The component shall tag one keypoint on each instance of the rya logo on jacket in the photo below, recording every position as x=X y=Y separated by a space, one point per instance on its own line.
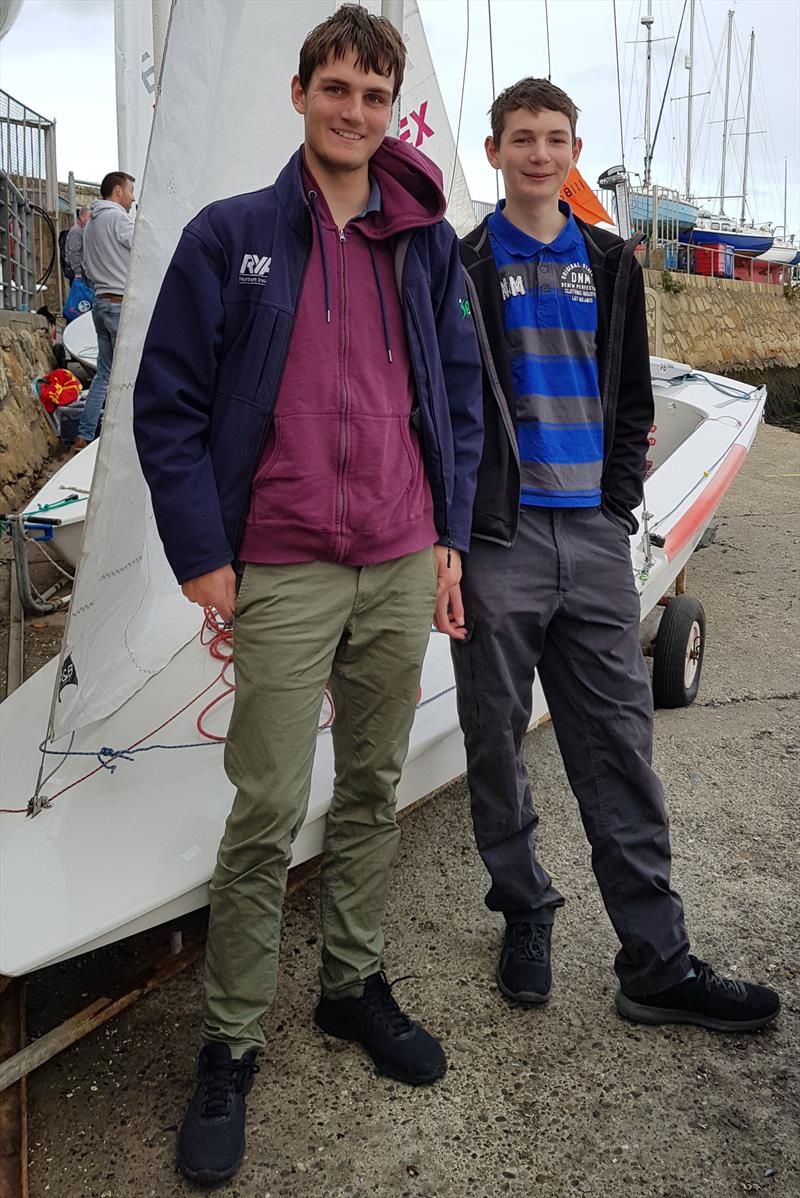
x=254 y=269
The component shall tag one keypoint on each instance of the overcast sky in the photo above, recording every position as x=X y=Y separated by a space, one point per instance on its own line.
x=59 y=59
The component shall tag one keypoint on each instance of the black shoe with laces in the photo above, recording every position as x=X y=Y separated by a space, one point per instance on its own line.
x=523 y=972
x=211 y=1139
x=707 y=1000
x=399 y=1047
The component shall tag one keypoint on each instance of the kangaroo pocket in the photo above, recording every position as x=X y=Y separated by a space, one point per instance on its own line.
x=295 y=483
x=385 y=484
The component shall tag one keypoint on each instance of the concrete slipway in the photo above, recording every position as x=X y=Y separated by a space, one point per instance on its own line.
x=566 y=1100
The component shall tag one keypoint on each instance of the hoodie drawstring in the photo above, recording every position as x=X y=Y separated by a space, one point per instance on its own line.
x=381 y=300
x=312 y=199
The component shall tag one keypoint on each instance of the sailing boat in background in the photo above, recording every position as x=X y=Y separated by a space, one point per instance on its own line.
x=719 y=229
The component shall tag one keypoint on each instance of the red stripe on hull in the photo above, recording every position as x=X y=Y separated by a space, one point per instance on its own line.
x=702 y=509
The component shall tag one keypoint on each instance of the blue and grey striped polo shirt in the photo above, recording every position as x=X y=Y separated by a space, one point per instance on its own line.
x=551 y=325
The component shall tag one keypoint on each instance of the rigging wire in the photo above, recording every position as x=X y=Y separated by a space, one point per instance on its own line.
x=494 y=92
x=547 y=32
x=460 y=110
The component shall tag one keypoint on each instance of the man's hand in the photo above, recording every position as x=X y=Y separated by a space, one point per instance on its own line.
x=216 y=589
x=449 y=614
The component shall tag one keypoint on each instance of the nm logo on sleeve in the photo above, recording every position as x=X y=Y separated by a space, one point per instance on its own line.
x=254 y=269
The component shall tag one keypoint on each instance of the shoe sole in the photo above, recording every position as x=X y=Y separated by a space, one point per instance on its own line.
x=526 y=998
x=207 y=1178
x=656 y=1015
x=381 y=1065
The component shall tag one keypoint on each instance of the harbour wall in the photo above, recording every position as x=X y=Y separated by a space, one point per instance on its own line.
x=746 y=331
x=722 y=325
x=26 y=439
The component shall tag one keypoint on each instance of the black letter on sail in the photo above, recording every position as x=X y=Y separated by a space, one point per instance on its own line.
x=69 y=675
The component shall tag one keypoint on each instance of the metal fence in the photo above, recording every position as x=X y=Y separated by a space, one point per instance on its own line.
x=28 y=181
x=17 y=255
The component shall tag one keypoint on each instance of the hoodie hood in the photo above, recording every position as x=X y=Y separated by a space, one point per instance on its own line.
x=411 y=190
x=98 y=206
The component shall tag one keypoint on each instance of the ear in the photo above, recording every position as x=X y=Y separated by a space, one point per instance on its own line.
x=298 y=96
x=491 y=152
x=577 y=146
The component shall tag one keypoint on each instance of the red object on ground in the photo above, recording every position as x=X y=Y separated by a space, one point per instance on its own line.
x=57 y=389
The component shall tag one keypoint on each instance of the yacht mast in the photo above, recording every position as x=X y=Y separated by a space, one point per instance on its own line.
x=648 y=153
x=725 y=119
x=690 y=64
x=785 y=186
x=747 y=126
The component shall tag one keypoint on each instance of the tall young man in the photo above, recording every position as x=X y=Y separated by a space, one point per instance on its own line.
x=308 y=415
x=107 y=242
x=547 y=586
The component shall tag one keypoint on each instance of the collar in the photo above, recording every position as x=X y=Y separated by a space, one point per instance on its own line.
x=373 y=203
x=514 y=241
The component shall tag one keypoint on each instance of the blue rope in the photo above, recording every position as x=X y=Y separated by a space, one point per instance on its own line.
x=106 y=756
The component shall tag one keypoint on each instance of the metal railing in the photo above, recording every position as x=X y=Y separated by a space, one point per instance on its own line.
x=17 y=256
x=28 y=181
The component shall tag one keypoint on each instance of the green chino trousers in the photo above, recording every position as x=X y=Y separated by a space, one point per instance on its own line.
x=298 y=626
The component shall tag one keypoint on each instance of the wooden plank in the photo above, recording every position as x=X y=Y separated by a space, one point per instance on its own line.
x=14 y=1100
x=23 y=1062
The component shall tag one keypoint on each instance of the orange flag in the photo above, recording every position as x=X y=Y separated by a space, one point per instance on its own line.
x=584 y=203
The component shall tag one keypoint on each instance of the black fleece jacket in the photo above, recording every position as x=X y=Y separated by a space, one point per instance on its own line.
x=623 y=366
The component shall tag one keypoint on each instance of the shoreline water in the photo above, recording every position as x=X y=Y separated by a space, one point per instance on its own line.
x=783 y=393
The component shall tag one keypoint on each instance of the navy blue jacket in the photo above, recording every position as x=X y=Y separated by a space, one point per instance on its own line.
x=214 y=355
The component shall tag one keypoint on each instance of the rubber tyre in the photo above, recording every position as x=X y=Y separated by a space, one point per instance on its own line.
x=682 y=627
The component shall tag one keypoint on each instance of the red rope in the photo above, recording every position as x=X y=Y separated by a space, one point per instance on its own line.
x=218 y=638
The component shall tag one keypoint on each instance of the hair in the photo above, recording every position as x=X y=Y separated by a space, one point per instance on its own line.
x=83 y=209
x=537 y=95
x=377 y=44
x=114 y=179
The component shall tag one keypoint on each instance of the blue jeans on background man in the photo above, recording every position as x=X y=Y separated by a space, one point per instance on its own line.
x=105 y=314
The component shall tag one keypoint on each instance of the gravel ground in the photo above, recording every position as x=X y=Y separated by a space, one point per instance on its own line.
x=564 y=1100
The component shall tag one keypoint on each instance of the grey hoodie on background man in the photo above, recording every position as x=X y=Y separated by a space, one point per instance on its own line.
x=107 y=247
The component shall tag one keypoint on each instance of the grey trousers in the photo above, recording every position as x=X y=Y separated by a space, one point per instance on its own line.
x=562 y=601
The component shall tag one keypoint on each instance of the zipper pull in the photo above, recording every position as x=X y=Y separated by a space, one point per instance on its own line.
x=342 y=237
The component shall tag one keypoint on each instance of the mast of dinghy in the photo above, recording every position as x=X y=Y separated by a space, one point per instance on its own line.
x=393 y=11
x=725 y=118
x=747 y=126
x=160 y=10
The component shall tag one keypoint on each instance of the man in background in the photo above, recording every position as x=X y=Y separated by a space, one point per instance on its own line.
x=73 y=246
x=107 y=241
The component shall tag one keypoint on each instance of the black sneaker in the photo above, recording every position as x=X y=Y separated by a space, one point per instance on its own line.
x=523 y=972
x=211 y=1139
x=399 y=1047
x=707 y=1000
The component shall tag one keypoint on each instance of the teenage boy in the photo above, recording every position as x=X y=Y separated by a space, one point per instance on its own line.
x=309 y=406
x=547 y=586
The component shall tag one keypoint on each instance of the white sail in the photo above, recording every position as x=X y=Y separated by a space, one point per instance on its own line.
x=424 y=122
x=136 y=83
x=224 y=124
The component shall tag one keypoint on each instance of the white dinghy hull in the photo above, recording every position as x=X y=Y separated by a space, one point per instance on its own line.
x=124 y=851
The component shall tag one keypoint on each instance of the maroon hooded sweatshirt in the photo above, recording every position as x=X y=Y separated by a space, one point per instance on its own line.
x=341 y=477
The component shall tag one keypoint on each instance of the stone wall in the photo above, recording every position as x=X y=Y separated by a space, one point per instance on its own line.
x=26 y=439
x=722 y=325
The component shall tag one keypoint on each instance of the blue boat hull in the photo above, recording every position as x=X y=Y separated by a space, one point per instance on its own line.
x=740 y=243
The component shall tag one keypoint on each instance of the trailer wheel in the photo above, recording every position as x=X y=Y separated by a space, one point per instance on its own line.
x=678 y=653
